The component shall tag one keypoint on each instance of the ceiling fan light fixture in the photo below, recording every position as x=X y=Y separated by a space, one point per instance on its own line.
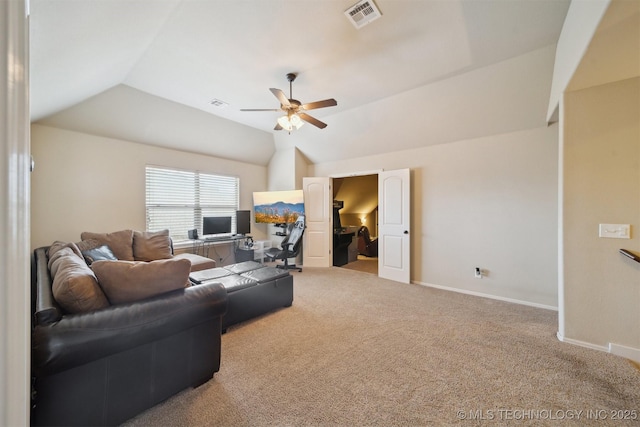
x=296 y=121
x=290 y=122
x=285 y=123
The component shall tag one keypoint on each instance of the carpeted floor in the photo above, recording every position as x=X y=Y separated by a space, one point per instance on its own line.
x=363 y=264
x=357 y=350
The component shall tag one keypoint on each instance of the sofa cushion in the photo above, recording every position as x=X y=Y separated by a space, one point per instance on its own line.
x=127 y=281
x=198 y=262
x=97 y=254
x=74 y=287
x=151 y=245
x=58 y=245
x=120 y=242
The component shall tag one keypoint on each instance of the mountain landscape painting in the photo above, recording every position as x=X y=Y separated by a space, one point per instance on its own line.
x=278 y=207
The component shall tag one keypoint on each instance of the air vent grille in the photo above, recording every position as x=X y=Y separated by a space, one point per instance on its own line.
x=218 y=103
x=362 y=13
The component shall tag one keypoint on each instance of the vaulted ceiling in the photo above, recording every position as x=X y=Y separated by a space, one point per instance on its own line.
x=147 y=71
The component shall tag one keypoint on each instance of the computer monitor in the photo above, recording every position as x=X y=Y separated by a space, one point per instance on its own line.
x=243 y=222
x=212 y=225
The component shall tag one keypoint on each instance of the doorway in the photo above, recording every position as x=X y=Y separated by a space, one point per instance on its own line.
x=358 y=198
x=394 y=217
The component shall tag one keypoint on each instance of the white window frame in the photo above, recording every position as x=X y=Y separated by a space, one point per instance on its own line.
x=178 y=199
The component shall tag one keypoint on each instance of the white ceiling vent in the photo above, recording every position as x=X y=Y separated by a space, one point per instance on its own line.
x=218 y=103
x=362 y=13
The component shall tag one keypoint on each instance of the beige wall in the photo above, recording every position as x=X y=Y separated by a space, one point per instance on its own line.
x=287 y=167
x=350 y=219
x=88 y=183
x=601 y=185
x=355 y=220
x=488 y=202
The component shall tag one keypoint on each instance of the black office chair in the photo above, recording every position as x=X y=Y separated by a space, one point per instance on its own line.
x=289 y=247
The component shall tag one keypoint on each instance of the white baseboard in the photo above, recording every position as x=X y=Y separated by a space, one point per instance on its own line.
x=626 y=352
x=483 y=295
x=617 y=349
x=581 y=343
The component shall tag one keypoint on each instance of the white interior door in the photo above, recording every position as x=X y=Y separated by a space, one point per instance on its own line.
x=317 y=240
x=394 y=237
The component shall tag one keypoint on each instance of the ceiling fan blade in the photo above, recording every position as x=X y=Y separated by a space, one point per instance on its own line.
x=307 y=118
x=281 y=97
x=259 y=109
x=278 y=127
x=320 y=104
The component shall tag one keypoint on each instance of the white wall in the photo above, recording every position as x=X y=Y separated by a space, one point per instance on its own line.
x=601 y=150
x=504 y=97
x=488 y=202
x=15 y=325
x=582 y=19
x=88 y=183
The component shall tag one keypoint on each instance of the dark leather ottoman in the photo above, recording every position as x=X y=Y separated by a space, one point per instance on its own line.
x=252 y=289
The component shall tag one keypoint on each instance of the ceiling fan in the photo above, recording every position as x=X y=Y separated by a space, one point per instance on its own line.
x=294 y=109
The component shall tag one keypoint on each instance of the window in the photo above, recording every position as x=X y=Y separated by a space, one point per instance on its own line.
x=178 y=199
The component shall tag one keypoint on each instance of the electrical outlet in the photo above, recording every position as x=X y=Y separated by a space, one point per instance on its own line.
x=478 y=273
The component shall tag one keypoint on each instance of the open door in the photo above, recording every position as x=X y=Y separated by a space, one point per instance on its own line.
x=394 y=239
x=318 y=208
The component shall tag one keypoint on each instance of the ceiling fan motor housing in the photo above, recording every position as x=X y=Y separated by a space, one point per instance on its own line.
x=294 y=104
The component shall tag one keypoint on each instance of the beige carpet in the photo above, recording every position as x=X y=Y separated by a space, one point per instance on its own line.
x=363 y=264
x=357 y=350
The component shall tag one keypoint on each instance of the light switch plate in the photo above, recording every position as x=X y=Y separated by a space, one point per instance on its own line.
x=615 y=231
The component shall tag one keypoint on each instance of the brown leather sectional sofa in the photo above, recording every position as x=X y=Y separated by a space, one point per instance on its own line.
x=112 y=340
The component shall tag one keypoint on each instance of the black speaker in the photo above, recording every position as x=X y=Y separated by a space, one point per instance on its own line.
x=193 y=234
x=243 y=222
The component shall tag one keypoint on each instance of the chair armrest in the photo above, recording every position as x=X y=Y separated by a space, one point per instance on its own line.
x=81 y=338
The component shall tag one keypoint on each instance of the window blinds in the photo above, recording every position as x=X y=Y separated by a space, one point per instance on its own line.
x=178 y=199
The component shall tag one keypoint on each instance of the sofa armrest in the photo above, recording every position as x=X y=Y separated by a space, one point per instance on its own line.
x=46 y=310
x=80 y=338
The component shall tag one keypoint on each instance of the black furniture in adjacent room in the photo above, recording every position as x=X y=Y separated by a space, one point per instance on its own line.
x=366 y=246
x=341 y=242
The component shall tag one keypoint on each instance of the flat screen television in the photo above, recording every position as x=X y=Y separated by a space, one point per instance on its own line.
x=212 y=225
x=278 y=207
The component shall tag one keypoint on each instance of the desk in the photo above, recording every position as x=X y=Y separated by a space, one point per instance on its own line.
x=201 y=246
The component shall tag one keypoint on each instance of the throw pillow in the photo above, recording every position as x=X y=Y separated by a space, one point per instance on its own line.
x=97 y=254
x=74 y=287
x=128 y=281
x=120 y=242
x=52 y=252
x=151 y=246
